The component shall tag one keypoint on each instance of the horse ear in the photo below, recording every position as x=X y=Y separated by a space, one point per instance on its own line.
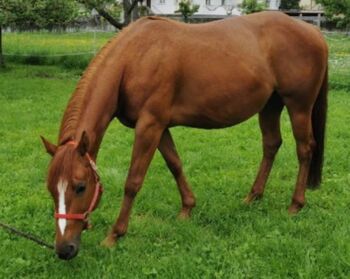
x=83 y=144
x=50 y=147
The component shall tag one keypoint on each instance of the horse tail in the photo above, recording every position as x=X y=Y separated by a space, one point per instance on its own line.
x=319 y=114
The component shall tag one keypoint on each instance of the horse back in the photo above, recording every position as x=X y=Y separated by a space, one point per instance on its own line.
x=216 y=74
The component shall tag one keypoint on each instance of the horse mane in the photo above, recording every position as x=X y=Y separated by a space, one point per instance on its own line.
x=80 y=97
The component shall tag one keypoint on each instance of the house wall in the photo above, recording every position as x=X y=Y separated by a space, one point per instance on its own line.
x=206 y=7
x=310 y=5
x=304 y=4
x=214 y=7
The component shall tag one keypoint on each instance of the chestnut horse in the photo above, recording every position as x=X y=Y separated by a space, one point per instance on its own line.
x=158 y=73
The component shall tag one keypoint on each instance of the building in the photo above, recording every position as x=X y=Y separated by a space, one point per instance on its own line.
x=310 y=5
x=216 y=8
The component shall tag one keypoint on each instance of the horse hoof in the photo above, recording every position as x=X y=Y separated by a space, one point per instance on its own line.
x=294 y=209
x=184 y=214
x=252 y=197
x=109 y=241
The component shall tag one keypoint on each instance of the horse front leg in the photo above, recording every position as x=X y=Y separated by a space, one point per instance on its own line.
x=168 y=150
x=148 y=132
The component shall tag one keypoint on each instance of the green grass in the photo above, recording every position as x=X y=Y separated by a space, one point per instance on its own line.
x=339 y=55
x=223 y=239
x=69 y=50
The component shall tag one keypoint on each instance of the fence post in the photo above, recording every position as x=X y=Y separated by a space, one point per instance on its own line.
x=95 y=41
x=319 y=20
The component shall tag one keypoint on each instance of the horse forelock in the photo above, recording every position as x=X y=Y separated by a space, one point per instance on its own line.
x=61 y=167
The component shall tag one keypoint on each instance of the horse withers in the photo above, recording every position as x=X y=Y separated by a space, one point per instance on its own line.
x=158 y=73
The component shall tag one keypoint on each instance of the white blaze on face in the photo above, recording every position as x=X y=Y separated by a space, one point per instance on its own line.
x=62 y=187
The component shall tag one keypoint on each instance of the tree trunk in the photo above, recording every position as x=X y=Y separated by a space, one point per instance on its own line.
x=133 y=10
x=2 y=60
x=135 y=13
x=130 y=14
x=127 y=14
x=110 y=19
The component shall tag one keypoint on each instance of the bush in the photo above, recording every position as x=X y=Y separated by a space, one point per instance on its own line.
x=289 y=5
x=186 y=8
x=252 y=6
x=337 y=12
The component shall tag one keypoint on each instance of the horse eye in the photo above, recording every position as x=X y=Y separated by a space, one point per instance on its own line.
x=80 y=188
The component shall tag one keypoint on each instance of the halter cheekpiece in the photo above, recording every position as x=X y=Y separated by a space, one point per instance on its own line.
x=96 y=197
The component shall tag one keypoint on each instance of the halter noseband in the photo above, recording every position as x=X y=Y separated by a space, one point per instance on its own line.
x=96 y=197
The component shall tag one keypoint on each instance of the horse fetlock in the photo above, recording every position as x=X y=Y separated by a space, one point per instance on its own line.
x=109 y=241
x=189 y=202
x=253 y=196
x=296 y=206
x=185 y=213
x=120 y=229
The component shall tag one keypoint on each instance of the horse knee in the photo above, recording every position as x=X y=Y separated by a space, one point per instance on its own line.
x=271 y=148
x=305 y=150
x=132 y=187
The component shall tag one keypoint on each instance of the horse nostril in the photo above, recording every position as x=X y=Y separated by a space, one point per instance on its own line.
x=68 y=251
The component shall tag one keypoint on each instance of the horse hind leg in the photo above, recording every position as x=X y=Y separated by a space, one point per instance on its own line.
x=269 y=120
x=302 y=129
x=168 y=150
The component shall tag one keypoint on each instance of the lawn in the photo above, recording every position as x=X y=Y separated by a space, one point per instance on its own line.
x=223 y=239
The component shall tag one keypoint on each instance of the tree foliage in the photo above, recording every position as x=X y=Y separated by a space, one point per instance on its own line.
x=252 y=6
x=290 y=5
x=37 y=14
x=50 y=14
x=337 y=11
x=187 y=9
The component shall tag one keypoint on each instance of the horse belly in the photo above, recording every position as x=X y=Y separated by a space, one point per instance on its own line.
x=212 y=110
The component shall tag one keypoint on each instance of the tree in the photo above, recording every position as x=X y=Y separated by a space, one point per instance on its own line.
x=108 y=8
x=187 y=9
x=4 y=20
x=337 y=12
x=50 y=14
x=252 y=6
x=289 y=5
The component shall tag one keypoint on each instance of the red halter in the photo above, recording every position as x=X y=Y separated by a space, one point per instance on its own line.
x=97 y=195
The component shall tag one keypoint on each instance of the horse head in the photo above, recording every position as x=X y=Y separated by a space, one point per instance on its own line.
x=75 y=188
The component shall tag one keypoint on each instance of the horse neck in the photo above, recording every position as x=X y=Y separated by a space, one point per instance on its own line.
x=94 y=102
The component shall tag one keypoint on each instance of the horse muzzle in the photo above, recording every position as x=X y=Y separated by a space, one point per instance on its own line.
x=67 y=250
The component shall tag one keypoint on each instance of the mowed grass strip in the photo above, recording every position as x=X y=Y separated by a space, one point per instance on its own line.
x=224 y=238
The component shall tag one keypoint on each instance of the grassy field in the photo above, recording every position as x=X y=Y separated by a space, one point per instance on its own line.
x=223 y=239
x=69 y=50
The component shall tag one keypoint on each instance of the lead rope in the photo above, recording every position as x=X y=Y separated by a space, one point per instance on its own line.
x=29 y=236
